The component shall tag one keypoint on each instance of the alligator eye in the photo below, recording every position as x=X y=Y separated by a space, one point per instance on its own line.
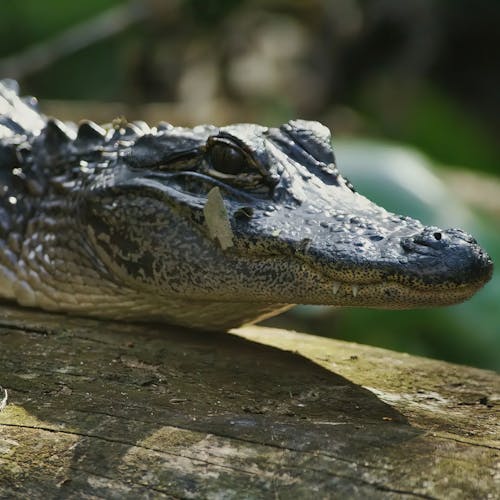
x=228 y=159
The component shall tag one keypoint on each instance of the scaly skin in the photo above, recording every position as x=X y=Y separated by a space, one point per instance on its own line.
x=206 y=227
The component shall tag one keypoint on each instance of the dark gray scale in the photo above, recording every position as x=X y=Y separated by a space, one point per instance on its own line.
x=90 y=140
x=55 y=137
x=89 y=133
x=8 y=161
x=5 y=222
x=310 y=142
x=313 y=137
x=13 y=189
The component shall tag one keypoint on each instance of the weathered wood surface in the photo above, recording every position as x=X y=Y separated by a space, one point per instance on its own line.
x=109 y=410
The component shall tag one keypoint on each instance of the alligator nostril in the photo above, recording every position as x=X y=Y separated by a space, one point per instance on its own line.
x=422 y=242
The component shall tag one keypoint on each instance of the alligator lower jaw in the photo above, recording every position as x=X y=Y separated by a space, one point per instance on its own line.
x=394 y=295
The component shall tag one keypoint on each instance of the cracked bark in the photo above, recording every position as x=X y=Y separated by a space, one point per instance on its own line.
x=110 y=410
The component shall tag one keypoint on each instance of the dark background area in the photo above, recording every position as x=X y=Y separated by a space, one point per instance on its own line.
x=424 y=74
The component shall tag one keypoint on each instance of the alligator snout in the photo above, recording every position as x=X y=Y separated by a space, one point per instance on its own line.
x=449 y=255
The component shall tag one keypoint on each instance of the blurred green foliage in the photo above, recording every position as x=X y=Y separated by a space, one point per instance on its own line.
x=30 y=21
x=440 y=126
x=422 y=73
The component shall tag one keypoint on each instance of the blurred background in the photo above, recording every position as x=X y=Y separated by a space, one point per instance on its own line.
x=411 y=91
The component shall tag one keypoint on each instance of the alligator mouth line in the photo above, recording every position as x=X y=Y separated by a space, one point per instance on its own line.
x=339 y=288
x=391 y=294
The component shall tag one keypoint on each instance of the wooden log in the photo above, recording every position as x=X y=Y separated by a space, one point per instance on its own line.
x=110 y=410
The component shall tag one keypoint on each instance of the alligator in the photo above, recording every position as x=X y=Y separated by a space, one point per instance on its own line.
x=206 y=227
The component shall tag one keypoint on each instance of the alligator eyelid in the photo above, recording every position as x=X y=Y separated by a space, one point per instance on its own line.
x=234 y=142
x=243 y=176
x=225 y=138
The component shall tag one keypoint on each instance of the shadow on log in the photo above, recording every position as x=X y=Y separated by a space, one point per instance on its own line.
x=103 y=409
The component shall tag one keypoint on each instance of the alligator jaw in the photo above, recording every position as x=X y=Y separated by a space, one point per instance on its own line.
x=311 y=284
x=392 y=295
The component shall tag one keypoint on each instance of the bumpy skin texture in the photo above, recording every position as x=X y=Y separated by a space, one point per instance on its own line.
x=209 y=227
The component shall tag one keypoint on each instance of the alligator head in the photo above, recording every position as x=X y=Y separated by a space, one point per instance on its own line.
x=213 y=227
